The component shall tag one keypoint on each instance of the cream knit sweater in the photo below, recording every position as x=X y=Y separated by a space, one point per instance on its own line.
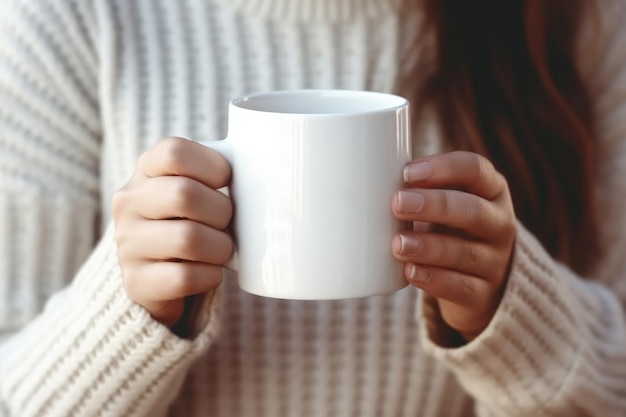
x=87 y=85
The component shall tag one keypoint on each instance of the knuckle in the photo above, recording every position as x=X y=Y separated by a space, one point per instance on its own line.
x=509 y=226
x=173 y=153
x=226 y=249
x=120 y=239
x=502 y=182
x=221 y=166
x=478 y=212
x=462 y=283
x=466 y=285
x=482 y=209
x=473 y=255
x=143 y=159
x=481 y=166
x=124 y=236
x=120 y=202
x=226 y=212
x=184 y=193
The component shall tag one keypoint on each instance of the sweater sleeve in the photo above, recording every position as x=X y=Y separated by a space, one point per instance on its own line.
x=557 y=343
x=91 y=350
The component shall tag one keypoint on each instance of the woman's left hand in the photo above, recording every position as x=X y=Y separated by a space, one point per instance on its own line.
x=460 y=249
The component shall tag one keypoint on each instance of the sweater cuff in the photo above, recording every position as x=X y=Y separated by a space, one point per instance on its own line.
x=525 y=354
x=93 y=350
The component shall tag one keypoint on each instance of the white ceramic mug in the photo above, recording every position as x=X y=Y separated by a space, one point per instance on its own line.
x=314 y=172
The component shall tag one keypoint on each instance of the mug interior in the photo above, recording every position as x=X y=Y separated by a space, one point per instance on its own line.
x=320 y=102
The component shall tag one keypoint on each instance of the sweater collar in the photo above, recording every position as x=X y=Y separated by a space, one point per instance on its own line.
x=334 y=11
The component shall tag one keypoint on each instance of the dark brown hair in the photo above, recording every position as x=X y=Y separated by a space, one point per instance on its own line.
x=503 y=82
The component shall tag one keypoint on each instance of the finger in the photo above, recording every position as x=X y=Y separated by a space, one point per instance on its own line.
x=451 y=208
x=182 y=157
x=162 y=281
x=163 y=198
x=174 y=239
x=456 y=287
x=450 y=252
x=458 y=170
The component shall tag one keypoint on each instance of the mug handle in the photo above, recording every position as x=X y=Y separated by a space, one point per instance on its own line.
x=224 y=148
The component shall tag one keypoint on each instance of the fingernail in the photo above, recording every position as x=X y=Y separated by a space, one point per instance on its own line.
x=418 y=171
x=420 y=276
x=410 y=245
x=409 y=201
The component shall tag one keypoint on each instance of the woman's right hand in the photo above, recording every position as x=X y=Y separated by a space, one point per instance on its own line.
x=169 y=222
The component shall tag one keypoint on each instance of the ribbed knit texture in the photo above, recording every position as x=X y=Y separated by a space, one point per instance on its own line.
x=85 y=87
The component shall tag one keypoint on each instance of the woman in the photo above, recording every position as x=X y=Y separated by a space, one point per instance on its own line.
x=519 y=251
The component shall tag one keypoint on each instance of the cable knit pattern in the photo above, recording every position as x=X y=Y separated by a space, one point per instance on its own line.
x=86 y=86
x=336 y=11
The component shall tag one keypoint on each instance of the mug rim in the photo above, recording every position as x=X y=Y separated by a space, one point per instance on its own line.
x=396 y=102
